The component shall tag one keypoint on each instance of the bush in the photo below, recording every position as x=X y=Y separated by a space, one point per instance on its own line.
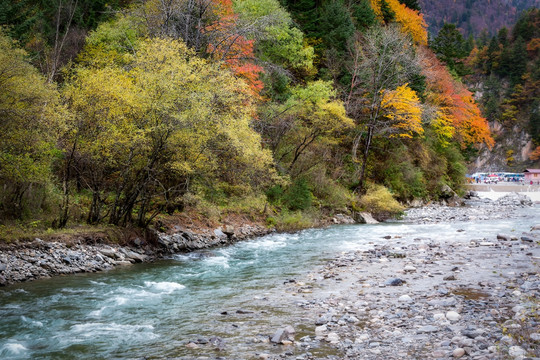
x=298 y=196
x=293 y=221
x=380 y=202
x=329 y=193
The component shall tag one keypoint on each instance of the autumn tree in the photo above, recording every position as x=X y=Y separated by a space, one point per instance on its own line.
x=411 y=21
x=312 y=117
x=383 y=60
x=149 y=129
x=458 y=115
x=30 y=122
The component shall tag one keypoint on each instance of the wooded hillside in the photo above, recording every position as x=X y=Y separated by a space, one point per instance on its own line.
x=473 y=17
x=120 y=113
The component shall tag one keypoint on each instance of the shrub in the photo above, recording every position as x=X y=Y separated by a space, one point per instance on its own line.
x=380 y=202
x=298 y=196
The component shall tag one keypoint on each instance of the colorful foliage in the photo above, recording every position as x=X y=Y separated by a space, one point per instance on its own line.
x=234 y=48
x=455 y=104
x=402 y=108
x=411 y=21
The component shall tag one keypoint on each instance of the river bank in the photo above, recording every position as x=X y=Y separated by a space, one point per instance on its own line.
x=475 y=297
x=31 y=260
x=422 y=287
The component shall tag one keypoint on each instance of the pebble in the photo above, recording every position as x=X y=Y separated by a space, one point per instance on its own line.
x=409 y=268
x=516 y=352
x=458 y=352
x=453 y=316
x=405 y=299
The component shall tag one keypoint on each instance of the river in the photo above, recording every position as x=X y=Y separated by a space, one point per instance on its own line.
x=234 y=293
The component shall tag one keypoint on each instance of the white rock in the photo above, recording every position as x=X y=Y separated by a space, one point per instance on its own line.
x=458 y=352
x=516 y=352
x=453 y=316
x=405 y=299
x=409 y=268
x=439 y=317
x=361 y=338
x=485 y=243
x=320 y=330
x=332 y=338
x=535 y=336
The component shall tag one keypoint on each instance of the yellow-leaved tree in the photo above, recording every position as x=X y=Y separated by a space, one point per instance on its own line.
x=148 y=128
x=30 y=121
x=402 y=109
x=312 y=118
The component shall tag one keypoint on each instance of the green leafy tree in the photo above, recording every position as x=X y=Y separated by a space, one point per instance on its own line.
x=411 y=4
x=335 y=25
x=279 y=42
x=30 y=122
x=311 y=118
x=388 y=14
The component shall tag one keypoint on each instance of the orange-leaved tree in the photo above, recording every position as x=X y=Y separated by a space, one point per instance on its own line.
x=232 y=47
x=456 y=106
x=412 y=22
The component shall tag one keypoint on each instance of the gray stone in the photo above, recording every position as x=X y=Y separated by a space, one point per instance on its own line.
x=503 y=237
x=228 y=230
x=284 y=334
x=109 y=252
x=133 y=255
x=427 y=329
x=219 y=233
x=3 y=267
x=527 y=239
x=394 y=282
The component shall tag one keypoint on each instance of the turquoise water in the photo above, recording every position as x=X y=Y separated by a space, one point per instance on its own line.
x=152 y=310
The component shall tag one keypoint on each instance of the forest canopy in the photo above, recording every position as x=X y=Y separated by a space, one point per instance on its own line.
x=117 y=113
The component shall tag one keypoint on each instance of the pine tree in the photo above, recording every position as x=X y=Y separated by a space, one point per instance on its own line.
x=411 y=4
x=387 y=13
x=363 y=15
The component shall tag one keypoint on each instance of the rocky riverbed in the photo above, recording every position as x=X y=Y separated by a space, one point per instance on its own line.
x=403 y=297
x=37 y=259
x=429 y=299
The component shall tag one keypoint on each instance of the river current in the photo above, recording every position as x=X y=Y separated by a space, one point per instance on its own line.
x=235 y=293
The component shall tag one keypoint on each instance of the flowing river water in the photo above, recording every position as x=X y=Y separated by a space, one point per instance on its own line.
x=234 y=293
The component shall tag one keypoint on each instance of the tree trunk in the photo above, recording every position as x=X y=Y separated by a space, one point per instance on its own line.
x=361 y=178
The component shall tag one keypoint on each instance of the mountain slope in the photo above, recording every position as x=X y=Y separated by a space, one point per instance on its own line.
x=474 y=16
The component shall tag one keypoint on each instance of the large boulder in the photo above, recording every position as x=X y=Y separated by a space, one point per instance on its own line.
x=364 y=218
x=343 y=219
x=450 y=197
